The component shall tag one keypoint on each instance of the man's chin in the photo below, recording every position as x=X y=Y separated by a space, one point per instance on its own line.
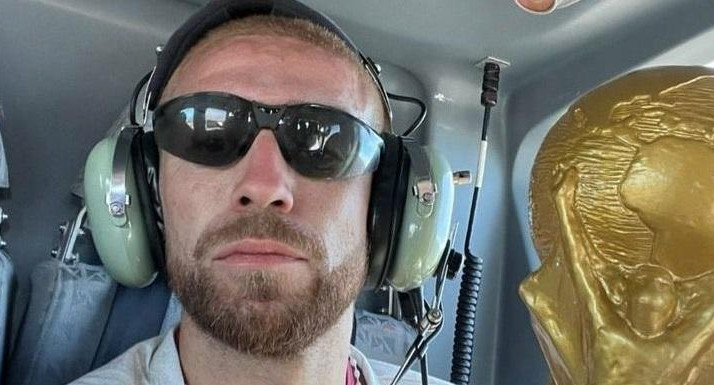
x=262 y=321
x=263 y=286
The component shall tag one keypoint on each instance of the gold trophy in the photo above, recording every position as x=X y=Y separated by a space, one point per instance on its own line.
x=622 y=216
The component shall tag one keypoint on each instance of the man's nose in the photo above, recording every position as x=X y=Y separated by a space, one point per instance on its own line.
x=264 y=180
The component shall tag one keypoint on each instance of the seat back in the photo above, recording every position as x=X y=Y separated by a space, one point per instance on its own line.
x=136 y=315
x=7 y=283
x=7 y=269
x=63 y=324
x=78 y=318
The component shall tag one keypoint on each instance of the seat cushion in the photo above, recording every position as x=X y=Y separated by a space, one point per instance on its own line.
x=63 y=325
x=7 y=276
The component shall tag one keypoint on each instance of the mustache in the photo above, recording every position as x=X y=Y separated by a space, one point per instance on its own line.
x=260 y=225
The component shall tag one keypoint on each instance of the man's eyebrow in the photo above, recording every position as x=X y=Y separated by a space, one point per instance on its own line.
x=298 y=101
x=294 y=102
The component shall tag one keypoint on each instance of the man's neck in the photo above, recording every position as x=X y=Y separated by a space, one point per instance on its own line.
x=204 y=360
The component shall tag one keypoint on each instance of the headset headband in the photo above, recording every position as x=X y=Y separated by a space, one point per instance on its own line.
x=218 y=12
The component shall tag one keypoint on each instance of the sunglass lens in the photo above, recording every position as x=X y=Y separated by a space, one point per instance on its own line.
x=322 y=143
x=212 y=130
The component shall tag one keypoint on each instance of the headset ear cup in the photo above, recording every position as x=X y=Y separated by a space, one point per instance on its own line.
x=121 y=240
x=145 y=162
x=386 y=205
x=425 y=227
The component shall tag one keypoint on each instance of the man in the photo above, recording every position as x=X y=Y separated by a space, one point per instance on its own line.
x=266 y=253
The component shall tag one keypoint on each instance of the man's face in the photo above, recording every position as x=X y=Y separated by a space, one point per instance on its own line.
x=262 y=258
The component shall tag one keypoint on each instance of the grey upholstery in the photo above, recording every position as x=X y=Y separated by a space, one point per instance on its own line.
x=63 y=324
x=7 y=270
x=7 y=275
x=381 y=337
x=4 y=177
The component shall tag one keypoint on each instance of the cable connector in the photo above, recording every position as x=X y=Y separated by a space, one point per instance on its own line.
x=454 y=264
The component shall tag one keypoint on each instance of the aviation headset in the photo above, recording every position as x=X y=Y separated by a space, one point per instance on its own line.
x=410 y=204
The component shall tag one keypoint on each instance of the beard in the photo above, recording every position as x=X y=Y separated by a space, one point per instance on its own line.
x=263 y=312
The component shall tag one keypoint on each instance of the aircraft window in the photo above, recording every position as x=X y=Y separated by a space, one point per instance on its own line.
x=187 y=114
x=215 y=119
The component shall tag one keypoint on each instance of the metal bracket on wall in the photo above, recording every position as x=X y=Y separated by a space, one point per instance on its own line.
x=492 y=59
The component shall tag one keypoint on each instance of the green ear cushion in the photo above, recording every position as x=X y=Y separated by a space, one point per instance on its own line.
x=423 y=235
x=121 y=242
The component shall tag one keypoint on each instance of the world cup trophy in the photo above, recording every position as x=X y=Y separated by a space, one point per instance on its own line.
x=622 y=217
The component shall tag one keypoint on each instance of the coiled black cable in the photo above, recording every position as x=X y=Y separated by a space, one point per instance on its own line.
x=465 y=328
x=466 y=321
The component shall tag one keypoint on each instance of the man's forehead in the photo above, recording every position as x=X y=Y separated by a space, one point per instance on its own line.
x=271 y=70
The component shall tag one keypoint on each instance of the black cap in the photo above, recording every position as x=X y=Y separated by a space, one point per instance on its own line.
x=217 y=12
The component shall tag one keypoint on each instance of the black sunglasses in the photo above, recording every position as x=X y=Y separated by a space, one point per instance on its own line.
x=217 y=129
